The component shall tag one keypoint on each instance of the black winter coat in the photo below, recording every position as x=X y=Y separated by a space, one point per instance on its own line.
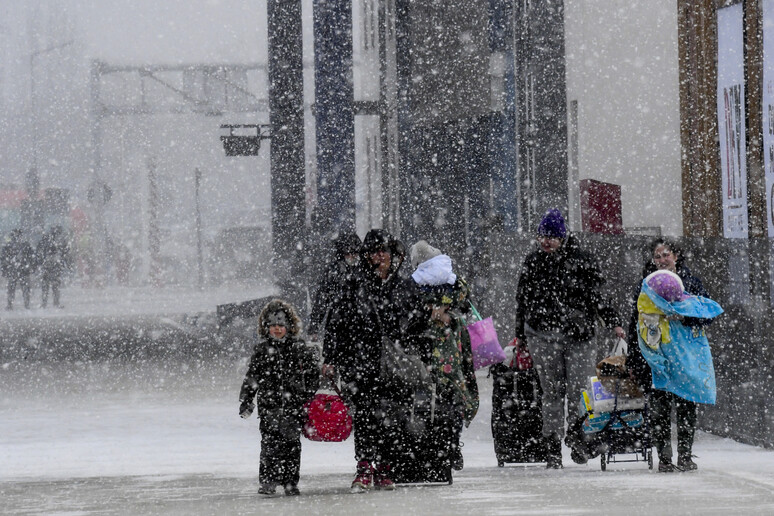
x=18 y=259
x=561 y=292
x=282 y=375
x=635 y=362
x=335 y=277
x=53 y=255
x=367 y=309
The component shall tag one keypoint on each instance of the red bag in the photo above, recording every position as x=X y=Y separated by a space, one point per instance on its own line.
x=328 y=419
x=523 y=359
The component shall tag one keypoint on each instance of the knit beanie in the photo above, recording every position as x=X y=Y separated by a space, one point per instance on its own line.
x=552 y=225
x=377 y=240
x=421 y=252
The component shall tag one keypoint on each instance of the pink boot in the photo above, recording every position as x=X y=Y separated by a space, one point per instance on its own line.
x=382 y=477
x=364 y=477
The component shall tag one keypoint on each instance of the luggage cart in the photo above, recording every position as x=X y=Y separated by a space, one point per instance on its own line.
x=627 y=432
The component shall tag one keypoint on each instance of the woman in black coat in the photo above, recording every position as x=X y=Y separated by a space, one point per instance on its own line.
x=340 y=270
x=666 y=255
x=376 y=302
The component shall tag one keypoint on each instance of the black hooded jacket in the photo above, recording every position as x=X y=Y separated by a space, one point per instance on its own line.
x=562 y=292
x=283 y=374
x=17 y=258
x=337 y=273
x=367 y=309
x=53 y=253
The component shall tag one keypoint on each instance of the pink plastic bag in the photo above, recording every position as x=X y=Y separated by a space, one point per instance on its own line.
x=484 y=343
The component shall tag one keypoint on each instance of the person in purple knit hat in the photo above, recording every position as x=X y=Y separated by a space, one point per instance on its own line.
x=559 y=298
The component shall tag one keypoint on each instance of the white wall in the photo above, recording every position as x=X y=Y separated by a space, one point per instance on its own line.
x=622 y=68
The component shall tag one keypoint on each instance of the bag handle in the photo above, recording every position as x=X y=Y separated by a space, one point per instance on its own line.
x=476 y=315
x=334 y=385
x=620 y=348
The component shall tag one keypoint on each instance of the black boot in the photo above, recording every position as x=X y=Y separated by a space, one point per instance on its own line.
x=455 y=457
x=665 y=465
x=685 y=462
x=267 y=488
x=553 y=452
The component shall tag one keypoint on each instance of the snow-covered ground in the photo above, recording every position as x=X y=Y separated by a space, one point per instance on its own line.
x=118 y=301
x=162 y=436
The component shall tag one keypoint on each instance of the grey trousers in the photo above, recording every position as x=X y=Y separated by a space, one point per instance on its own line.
x=564 y=367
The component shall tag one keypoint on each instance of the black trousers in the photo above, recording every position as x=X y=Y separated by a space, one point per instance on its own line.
x=374 y=423
x=660 y=405
x=24 y=283
x=53 y=282
x=280 y=449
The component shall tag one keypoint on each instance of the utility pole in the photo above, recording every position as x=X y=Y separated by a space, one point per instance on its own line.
x=33 y=95
x=199 y=256
x=154 y=240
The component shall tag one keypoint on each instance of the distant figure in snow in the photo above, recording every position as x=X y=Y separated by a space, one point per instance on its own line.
x=17 y=263
x=53 y=255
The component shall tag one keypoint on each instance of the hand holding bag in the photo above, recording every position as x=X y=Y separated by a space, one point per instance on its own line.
x=524 y=359
x=484 y=342
x=614 y=375
x=517 y=356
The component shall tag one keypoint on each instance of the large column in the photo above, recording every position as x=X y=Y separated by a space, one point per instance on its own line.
x=444 y=104
x=502 y=144
x=286 y=116
x=406 y=176
x=542 y=102
x=334 y=116
x=697 y=41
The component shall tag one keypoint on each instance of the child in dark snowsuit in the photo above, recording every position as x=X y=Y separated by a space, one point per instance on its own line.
x=284 y=374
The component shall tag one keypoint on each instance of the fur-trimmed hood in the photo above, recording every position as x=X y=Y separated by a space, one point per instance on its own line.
x=294 y=322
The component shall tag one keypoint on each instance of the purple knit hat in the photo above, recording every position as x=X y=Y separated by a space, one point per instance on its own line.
x=552 y=225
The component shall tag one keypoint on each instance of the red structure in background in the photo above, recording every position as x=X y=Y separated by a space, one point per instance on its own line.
x=601 y=207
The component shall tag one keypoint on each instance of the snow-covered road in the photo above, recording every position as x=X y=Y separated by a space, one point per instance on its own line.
x=156 y=437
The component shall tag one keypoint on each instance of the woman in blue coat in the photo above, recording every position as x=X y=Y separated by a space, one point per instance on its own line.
x=666 y=255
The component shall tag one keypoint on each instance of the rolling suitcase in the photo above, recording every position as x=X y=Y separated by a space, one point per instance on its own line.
x=517 y=420
x=421 y=453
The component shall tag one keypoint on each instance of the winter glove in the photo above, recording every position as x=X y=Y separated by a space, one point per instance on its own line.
x=246 y=409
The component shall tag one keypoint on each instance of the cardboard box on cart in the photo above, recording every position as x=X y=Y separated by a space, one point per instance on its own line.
x=602 y=400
